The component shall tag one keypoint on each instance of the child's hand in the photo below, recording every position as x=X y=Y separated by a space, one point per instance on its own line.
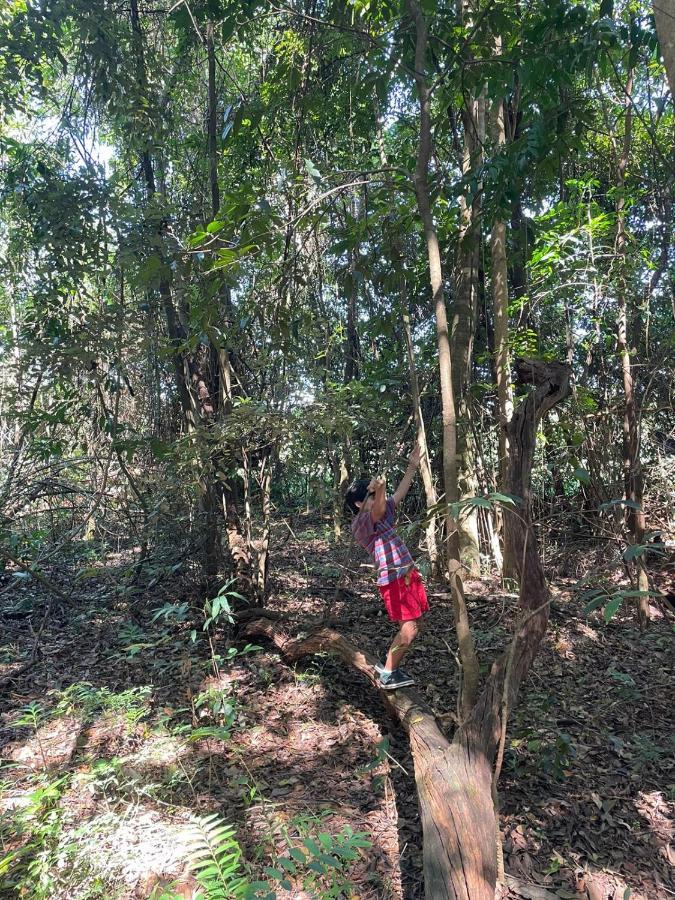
x=415 y=456
x=376 y=484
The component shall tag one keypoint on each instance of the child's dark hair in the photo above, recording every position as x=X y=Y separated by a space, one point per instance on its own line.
x=357 y=493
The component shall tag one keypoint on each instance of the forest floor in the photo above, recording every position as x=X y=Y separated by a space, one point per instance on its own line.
x=120 y=732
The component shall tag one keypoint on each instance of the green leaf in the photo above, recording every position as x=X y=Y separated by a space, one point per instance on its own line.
x=483 y=502
x=582 y=475
x=360 y=840
x=312 y=846
x=149 y=270
x=6 y=862
x=312 y=171
x=596 y=603
x=635 y=550
x=496 y=497
x=612 y=607
x=277 y=874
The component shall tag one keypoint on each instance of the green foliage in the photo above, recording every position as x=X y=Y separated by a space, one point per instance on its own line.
x=535 y=751
x=85 y=700
x=610 y=599
x=380 y=756
x=219 y=608
x=177 y=612
x=31 y=868
x=32 y=715
x=317 y=863
x=216 y=859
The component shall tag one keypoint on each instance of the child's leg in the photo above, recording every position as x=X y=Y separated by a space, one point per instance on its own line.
x=401 y=644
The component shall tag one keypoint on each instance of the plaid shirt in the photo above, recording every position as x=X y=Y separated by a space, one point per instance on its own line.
x=391 y=556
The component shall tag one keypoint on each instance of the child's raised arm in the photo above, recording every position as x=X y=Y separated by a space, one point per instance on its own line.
x=378 y=489
x=406 y=481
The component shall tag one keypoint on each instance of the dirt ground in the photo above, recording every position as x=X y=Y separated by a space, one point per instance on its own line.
x=115 y=723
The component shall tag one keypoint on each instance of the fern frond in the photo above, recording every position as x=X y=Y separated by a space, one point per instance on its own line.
x=216 y=859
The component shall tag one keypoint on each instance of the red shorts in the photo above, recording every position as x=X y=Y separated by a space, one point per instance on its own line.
x=405 y=598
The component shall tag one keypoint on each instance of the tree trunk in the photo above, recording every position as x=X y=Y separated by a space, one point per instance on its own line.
x=212 y=121
x=465 y=641
x=341 y=477
x=517 y=269
x=664 y=16
x=200 y=383
x=221 y=372
x=464 y=321
x=352 y=346
x=425 y=462
x=190 y=382
x=632 y=467
x=500 y=298
x=455 y=779
x=469 y=540
x=262 y=550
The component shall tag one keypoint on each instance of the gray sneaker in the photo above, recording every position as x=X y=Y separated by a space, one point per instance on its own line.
x=380 y=669
x=394 y=680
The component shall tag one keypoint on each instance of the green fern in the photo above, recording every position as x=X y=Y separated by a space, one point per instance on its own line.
x=216 y=860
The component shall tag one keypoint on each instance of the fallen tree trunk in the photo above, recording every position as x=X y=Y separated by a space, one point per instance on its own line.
x=455 y=778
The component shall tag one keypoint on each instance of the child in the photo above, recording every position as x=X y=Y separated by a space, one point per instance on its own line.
x=398 y=580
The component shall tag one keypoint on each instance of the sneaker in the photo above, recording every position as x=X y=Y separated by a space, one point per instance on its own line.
x=379 y=668
x=394 y=680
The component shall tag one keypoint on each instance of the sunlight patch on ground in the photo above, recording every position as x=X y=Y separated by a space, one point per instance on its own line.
x=660 y=817
x=587 y=631
x=134 y=845
x=160 y=750
x=50 y=747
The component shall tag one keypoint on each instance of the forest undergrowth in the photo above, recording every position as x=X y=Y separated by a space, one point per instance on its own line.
x=125 y=727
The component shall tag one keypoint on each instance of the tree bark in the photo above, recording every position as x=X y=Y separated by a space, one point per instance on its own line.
x=262 y=550
x=500 y=299
x=464 y=320
x=221 y=371
x=352 y=346
x=174 y=327
x=664 y=16
x=455 y=778
x=425 y=462
x=465 y=641
x=632 y=466
x=212 y=121
x=196 y=374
